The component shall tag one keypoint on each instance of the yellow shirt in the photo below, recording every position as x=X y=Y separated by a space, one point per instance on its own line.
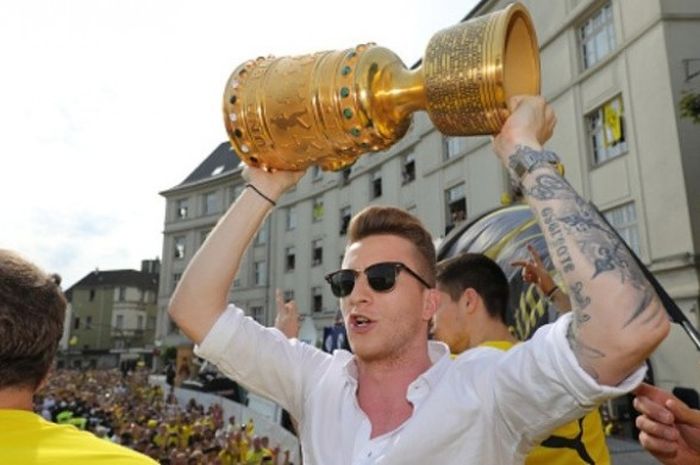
x=581 y=442
x=28 y=439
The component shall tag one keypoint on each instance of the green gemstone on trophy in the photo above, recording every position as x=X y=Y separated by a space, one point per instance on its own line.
x=344 y=92
x=355 y=131
x=346 y=70
x=347 y=113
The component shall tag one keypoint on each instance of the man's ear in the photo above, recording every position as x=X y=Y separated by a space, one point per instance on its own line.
x=470 y=300
x=431 y=303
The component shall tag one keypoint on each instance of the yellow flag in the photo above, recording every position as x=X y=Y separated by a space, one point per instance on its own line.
x=613 y=125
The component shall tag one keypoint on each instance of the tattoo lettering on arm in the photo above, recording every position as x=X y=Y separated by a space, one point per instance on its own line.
x=572 y=223
x=600 y=245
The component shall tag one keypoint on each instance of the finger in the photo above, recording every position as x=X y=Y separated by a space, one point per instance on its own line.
x=535 y=255
x=519 y=263
x=658 y=447
x=653 y=410
x=654 y=393
x=514 y=102
x=656 y=429
x=682 y=413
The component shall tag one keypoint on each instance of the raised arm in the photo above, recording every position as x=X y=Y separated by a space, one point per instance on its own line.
x=618 y=319
x=534 y=271
x=202 y=293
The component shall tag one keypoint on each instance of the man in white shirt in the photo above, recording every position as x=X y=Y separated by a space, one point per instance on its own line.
x=400 y=399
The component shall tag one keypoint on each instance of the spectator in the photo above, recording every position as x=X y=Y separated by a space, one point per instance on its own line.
x=32 y=311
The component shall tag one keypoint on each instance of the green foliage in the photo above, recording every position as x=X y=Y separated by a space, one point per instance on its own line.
x=690 y=106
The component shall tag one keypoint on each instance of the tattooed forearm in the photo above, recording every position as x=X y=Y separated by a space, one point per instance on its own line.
x=571 y=220
x=581 y=300
x=584 y=353
x=558 y=240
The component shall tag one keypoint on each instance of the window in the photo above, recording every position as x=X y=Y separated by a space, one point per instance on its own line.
x=289 y=258
x=408 y=168
x=181 y=207
x=345 y=216
x=139 y=322
x=92 y=295
x=376 y=185
x=261 y=237
x=260 y=271
x=119 y=324
x=176 y=279
x=122 y=294
x=288 y=295
x=606 y=131
x=211 y=203
x=76 y=322
x=151 y=324
x=316 y=173
x=290 y=218
x=218 y=170
x=179 y=249
x=456 y=206
x=256 y=312
x=317 y=210
x=316 y=299
x=597 y=36
x=624 y=220
x=316 y=252
x=237 y=281
x=88 y=322
x=345 y=176
x=455 y=146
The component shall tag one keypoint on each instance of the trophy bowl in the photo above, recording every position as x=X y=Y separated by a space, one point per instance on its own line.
x=328 y=108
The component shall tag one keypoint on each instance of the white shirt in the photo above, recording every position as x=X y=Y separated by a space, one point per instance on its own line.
x=486 y=407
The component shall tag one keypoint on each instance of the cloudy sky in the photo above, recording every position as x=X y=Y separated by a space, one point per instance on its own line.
x=104 y=103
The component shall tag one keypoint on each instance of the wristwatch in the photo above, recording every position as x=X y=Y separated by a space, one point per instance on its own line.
x=526 y=159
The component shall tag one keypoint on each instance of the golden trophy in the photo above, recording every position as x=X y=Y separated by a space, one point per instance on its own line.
x=328 y=108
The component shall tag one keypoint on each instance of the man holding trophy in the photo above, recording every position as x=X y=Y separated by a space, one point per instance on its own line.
x=399 y=398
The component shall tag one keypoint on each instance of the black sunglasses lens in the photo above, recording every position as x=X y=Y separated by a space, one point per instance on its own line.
x=342 y=283
x=382 y=276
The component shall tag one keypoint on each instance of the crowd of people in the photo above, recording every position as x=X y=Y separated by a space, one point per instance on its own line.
x=127 y=410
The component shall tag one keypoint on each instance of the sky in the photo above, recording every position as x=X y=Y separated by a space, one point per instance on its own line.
x=105 y=103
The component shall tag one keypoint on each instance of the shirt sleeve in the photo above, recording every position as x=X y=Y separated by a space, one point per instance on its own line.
x=263 y=359
x=539 y=385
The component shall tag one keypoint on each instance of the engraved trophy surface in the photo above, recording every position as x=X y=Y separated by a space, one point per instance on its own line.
x=328 y=108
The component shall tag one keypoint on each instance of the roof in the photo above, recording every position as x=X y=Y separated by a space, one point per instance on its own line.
x=222 y=160
x=131 y=278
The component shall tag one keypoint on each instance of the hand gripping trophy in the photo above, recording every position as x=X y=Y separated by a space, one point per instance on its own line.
x=328 y=108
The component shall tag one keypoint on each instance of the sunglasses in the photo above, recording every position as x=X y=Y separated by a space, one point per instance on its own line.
x=380 y=276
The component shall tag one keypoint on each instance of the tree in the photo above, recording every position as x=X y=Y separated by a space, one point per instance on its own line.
x=690 y=106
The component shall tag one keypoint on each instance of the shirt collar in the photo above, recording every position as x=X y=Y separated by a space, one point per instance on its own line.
x=438 y=352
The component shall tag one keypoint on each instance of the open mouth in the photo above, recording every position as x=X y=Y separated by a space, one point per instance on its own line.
x=360 y=321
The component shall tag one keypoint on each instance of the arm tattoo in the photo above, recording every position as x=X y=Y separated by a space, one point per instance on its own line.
x=578 y=221
x=584 y=354
x=581 y=300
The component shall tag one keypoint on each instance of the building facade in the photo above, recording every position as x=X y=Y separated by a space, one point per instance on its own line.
x=613 y=70
x=112 y=317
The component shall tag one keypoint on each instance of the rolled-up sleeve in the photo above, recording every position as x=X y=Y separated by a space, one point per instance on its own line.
x=540 y=385
x=262 y=359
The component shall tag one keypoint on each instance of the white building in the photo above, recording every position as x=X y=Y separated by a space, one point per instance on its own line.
x=614 y=72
